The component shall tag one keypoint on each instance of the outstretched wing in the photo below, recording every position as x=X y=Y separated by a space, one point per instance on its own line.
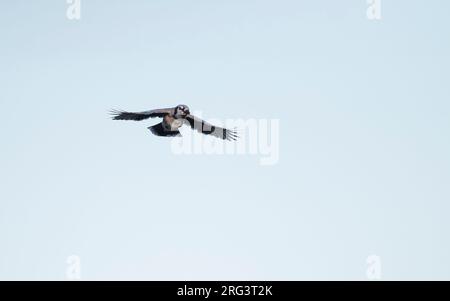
x=204 y=127
x=122 y=115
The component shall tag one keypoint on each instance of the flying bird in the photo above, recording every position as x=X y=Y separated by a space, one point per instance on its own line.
x=173 y=119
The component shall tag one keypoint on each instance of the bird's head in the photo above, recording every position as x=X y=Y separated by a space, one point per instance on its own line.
x=181 y=111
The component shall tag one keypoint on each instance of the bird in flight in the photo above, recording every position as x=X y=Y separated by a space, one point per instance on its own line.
x=173 y=119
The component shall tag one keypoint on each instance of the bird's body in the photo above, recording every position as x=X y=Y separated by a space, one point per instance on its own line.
x=171 y=123
x=173 y=119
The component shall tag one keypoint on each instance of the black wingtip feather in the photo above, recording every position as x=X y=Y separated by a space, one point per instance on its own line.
x=123 y=115
x=115 y=114
x=230 y=135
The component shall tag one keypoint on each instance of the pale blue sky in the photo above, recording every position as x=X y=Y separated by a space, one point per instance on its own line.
x=364 y=148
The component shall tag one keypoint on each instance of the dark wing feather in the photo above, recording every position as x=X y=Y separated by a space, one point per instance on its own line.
x=159 y=130
x=206 y=128
x=122 y=115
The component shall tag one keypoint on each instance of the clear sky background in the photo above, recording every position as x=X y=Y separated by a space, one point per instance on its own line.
x=364 y=163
